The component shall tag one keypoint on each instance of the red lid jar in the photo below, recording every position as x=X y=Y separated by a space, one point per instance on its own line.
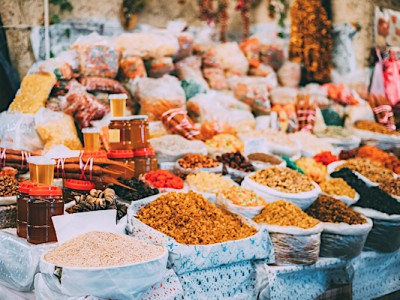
x=125 y=157
x=145 y=161
x=22 y=213
x=74 y=187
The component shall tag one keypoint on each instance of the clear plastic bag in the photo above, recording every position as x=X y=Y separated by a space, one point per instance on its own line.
x=158 y=67
x=293 y=245
x=272 y=55
x=131 y=66
x=251 y=49
x=189 y=69
x=56 y=128
x=17 y=131
x=101 y=84
x=344 y=240
x=215 y=78
x=97 y=56
x=156 y=96
x=290 y=74
x=84 y=107
x=232 y=58
x=185 y=40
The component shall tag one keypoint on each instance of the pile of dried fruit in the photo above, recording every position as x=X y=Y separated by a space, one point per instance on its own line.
x=225 y=143
x=328 y=209
x=208 y=182
x=313 y=169
x=8 y=186
x=164 y=179
x=102 y=249
x=284 y=213
x=346 y=154
x=374 y=127
x=197 y=161
x=242 y=197
x=386 y=160
x=236 y=160
x=265 y=158
x=283 y=180
x=190 y=219
x=372 y=170
x=141 y=190
x=337 y=187
x=98 y=200
x=325 y=157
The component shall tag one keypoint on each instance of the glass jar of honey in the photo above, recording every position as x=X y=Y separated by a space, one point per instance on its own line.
x=22 y=210
x=141 y=134
x=125 y=157
x=145 y=161
x=120 y=133
x=44 y=202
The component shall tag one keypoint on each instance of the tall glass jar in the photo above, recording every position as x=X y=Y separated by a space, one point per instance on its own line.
x=145 y=161
x=120 y=133
x=141 y=134
x=22 y=207
x=44 y=202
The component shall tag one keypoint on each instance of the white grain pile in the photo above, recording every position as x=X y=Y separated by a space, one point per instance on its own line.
x=102 y=249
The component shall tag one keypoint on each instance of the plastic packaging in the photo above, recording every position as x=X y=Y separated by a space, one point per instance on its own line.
x=293 y=245
x=100 y=84
x=272 y=55
x=215 y=78
x=17 y=131
x=183 y=172
x=158 y=67
x=156 y=96
x=170 y=148
x=131 y=66
x=56 y=128
x=303 y=199
x=290 y=74
x=343 y=240
x=385 y=233
x=84 y=107
x=251 y=50
x=245 y=211
x=178 y=122
x=133 y=280
x=185 y=40
x=186 y=258
x=189 y=69
x=232 y=58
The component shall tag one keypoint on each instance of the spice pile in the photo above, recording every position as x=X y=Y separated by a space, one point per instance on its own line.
x=370 y=197
x=208 y=182
x=141 y=190
x=190 y=219
x=392 y=187
x=325 y=158
x=337 y=187
x=374 y=127
x=372 y=170
x=265 y=158
x=315 y=170
x=242 y=197
x=102 y=249
x=197 y=161
x=283 y=180
x=284 y=213
x=237 y=161
x=8 y=186
x=386 y=160
x=328 y=209
x=164 y=179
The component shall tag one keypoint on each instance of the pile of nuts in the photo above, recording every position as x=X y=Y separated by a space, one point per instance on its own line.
x=8 y=186
x=283 y=213
x=328 y=209
x=372 y=170
x=236 y=160
x=337 y=187
x=208 y=182
x=191 y=219
x=197 y=161
x=313 y=169
x=265 y=158
x=283 y=180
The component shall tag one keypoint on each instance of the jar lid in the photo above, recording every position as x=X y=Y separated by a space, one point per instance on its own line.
x=145 y=152
x=97 y=154
x=45 y=190
x=81 y=185
x=120 y=154
x=140 y=117
x=118 y=96
x=126 y=118
x=25 y=186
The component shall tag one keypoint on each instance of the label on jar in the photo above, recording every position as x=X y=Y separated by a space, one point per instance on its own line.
x=114 y=135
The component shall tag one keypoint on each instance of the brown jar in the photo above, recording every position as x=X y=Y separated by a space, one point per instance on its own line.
x=74 y=187
x=141 y=134
x=22 y=200
x=125 y=157
x=145 y=161
x=44 y=202
x=120 y=133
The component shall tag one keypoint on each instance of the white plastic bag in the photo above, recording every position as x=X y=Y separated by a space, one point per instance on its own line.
x=385 y=233
x=294 y=245
x=232 y=58
x=245 y=211
x=343 y=240
x=302 y=200
x=185 y=172
x=185 y=258
x=17 y=131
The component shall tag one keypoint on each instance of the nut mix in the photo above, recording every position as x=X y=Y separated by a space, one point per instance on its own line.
x=374 y=127
x=265 y=158
x=190 y=219
x=328 y=209
x=208 y=182
x=226 y=143
x=337 y=187
x=315 y=170
x=284 y=213
x=372 y=170
x=236 y=160
x=8 y=186
x=197 y=161
x=242 y=197
x=283 y=180
x=102 y=249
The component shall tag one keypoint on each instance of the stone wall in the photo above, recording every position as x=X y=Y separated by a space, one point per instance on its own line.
x=158 y=13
